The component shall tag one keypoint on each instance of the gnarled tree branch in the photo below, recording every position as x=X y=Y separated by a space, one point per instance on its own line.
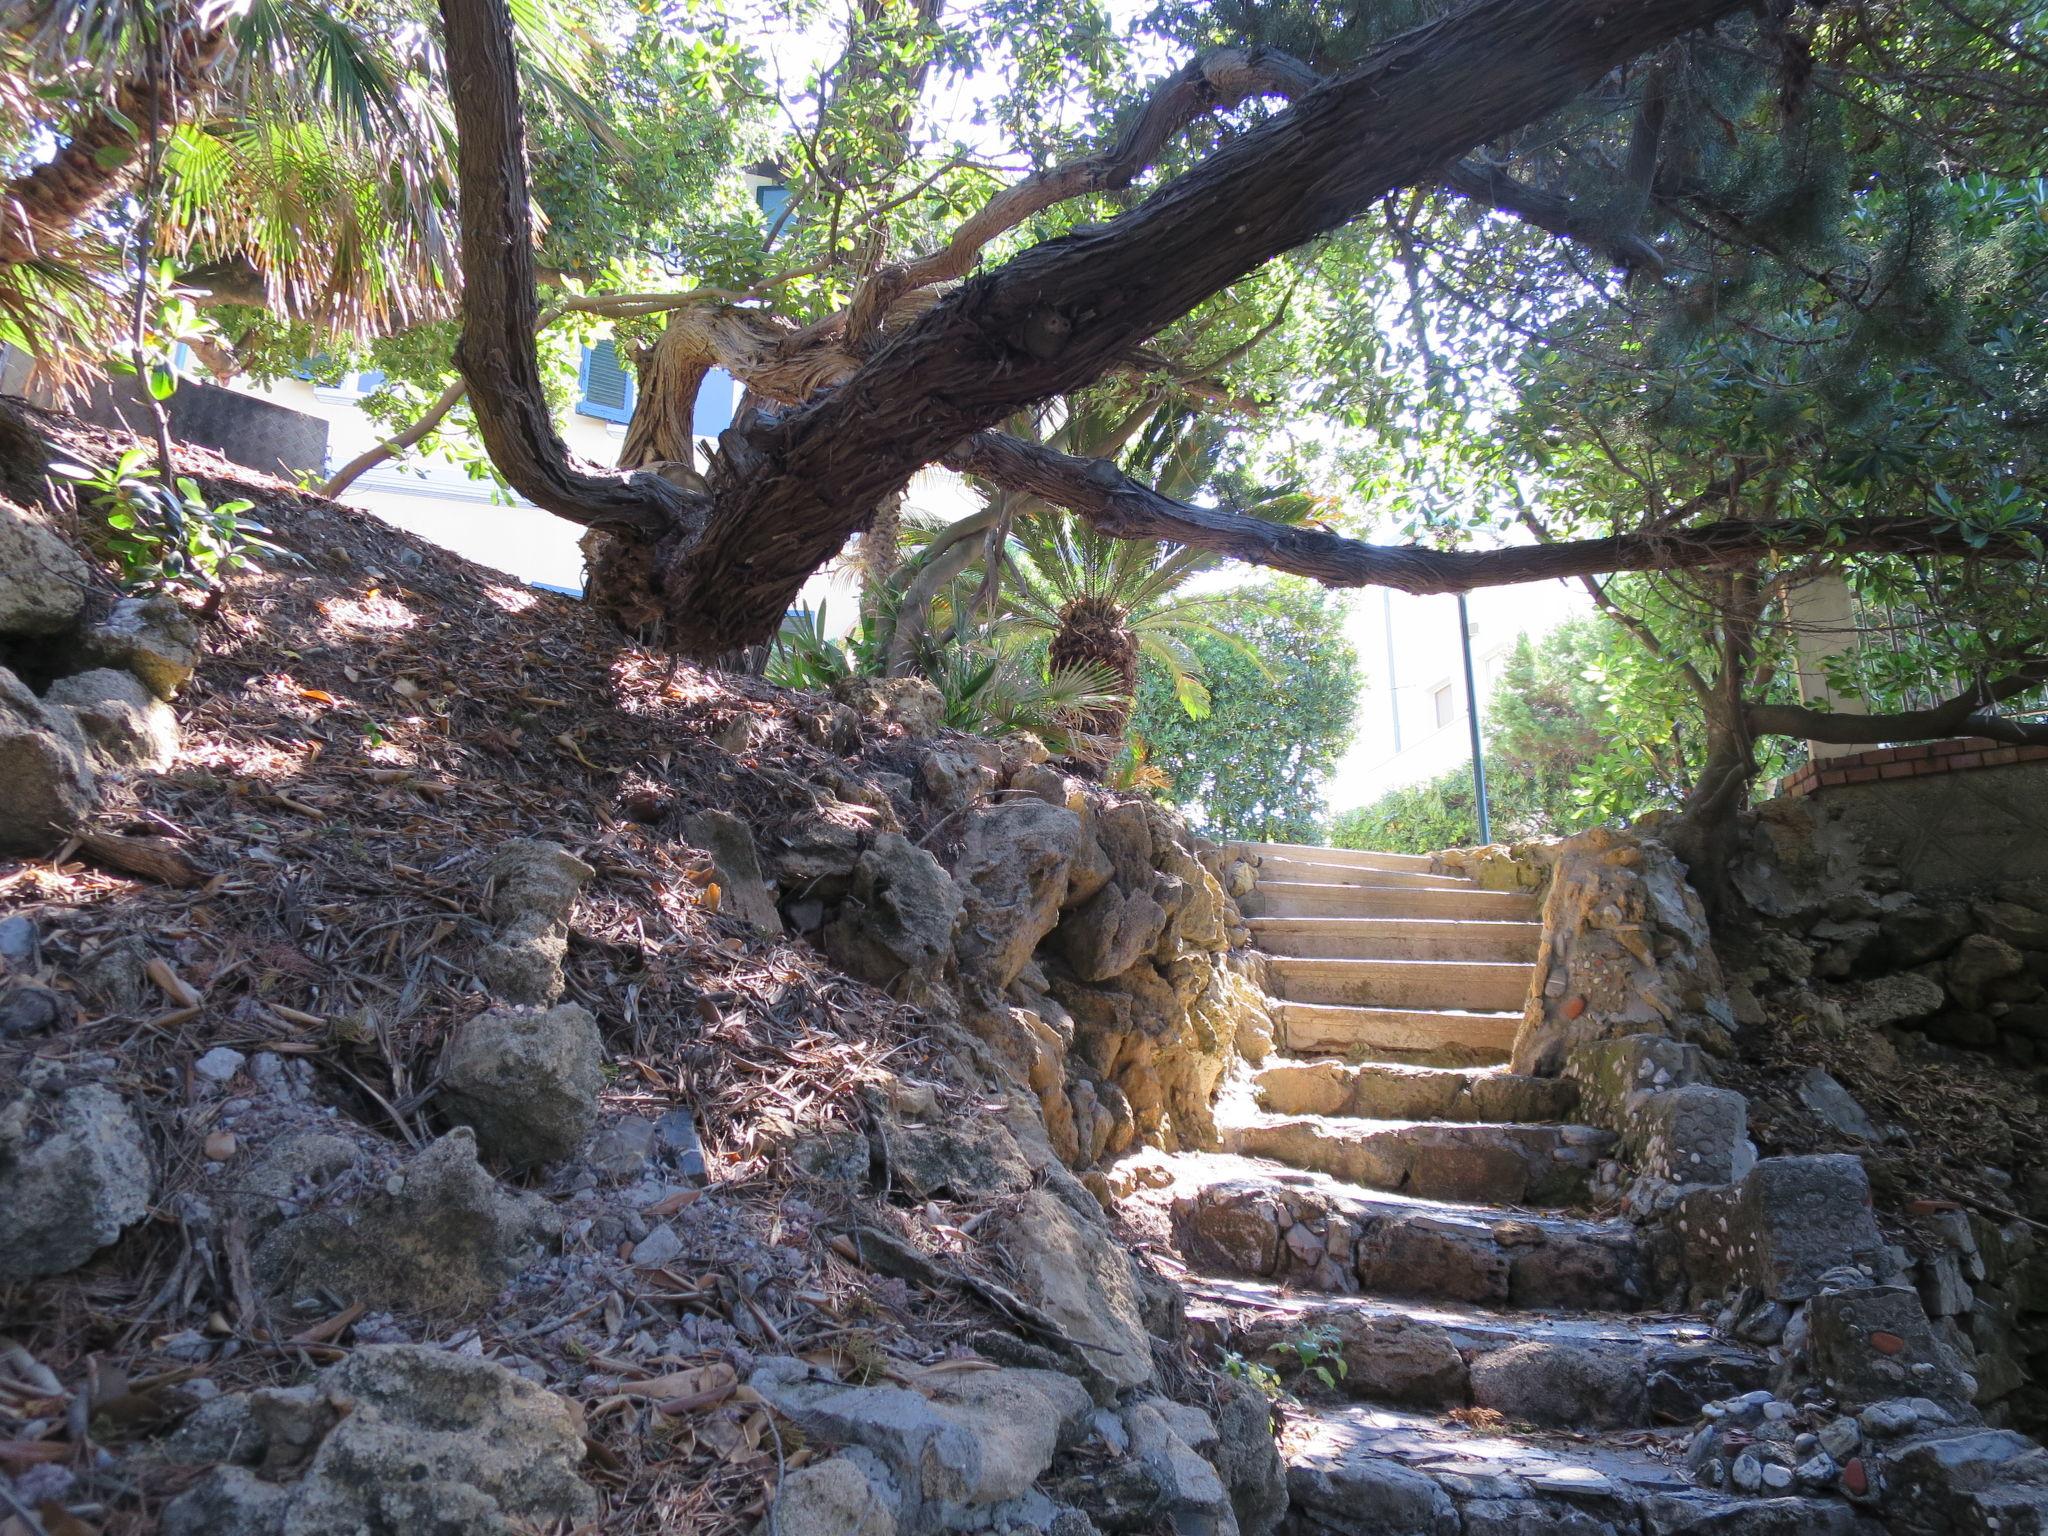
x=1970 y=713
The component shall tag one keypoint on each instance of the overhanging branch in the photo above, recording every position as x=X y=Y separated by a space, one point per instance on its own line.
x=1126 y=508
x=1971 y=713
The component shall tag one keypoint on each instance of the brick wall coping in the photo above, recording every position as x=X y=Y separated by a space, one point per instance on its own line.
x=1961 y=755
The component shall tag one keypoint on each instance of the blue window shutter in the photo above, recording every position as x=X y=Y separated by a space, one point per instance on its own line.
x=368 y=380
x=771 y=201
x=606 y=386
x=717 y=398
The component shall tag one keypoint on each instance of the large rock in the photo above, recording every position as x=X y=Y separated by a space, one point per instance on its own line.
x=1386 y=1359
x=1874 y=1343
x=126 y=724
x=1901 y=998
x=43 y=582
x=1110 y=932
x=153 y=637
x=969 y=1442
x=2023 y=927
x=1565 y=1382
x=45 y=768
x=531 y=887
x=1247 y=1457
x=1978 y=967
x=397 y=1438
x=526 y=1081
x=435 y=1234
x=906 y=704
x=1626 y=950
x=1916 y=934
x=1070 y=1268
x=1022 y=862
x=896 y=925
x=834 y=1497
x=74 y=1174
x=730 y=842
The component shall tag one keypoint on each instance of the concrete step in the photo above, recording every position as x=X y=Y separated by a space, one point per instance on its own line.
x=1488 y=986
x=1594 y=1370
x=1443 y=1037
x=1386 y=1091
x=1347 y=1466
x=1308 y=898
x=1465 y=1162
x=1272 y=870
x=1252 y=1219
x=1354 y=858
x=1408 y=938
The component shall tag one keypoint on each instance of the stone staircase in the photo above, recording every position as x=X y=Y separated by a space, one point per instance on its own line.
x=1391 y=1196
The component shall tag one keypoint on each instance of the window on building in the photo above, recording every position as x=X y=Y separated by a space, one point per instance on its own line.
x=771 y=201
x=604 y=388
x=1445 y=699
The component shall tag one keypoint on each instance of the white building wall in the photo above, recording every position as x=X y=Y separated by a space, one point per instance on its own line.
x=1412 y=716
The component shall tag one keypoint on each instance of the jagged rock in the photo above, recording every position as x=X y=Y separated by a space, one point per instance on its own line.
x=526 y=1081
x=1790 y=1221
x=1834 y=1106
x=1991 y=1480
x=730 y=842
x=1069 y=1267
x=1048 y=784
x=42 y=581
x=814 y=862
x=2010 y=923
x=1110 y=932
x=969 y=1441
x=1919 y=933
x=126 y=725
x=1247 y=1458
x=1901 y=998
x=895 y=928
x=1346 y=1492
x=1980 y=963
x=46 y=768
x=115 y=974
x=1690 y=1135
x=1168 y=1440
x=835 y=1497
x=1022 y=862
x=153 y=637
x=532 y=884
x=953 y=778
x=433 y=1234
x=1564 y=1382
x=396 y=1438
x=1386 y=1359
x=19 y=942
x=1626 y=950
x=906 y=704
x=1875 y=1343
x=28 y=1010
x=975 y=1160
x=75 y=1172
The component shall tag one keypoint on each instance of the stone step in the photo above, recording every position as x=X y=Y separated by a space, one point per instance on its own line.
x=1353 y=858
x=1459 y=1161
x=1308 y=898
x=1572 y=1370
x=1389 y=1091
x=1446 y=1037
x=1489 y=986
x=1408 y=938
x=1282 y=871
x=1241 y=1217
x=1367 y=1471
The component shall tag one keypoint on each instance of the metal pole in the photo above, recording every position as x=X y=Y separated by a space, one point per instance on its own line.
x=1472 y=718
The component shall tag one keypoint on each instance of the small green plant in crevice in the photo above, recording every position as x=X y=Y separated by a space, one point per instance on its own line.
x=168 y=536
x=1264 y=1377
x=1319 y=1352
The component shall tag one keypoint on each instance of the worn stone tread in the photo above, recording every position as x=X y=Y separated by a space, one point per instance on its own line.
x=1349 y=1469
x=1490 y=985
x=1411 y=938
x=1275 y=869
x=1307 y=898
x=1468 y=1161
x=1420 y=1036
x=1398 y=1091
x=1356 y=858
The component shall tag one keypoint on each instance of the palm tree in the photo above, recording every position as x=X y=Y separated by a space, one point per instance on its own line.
x=1118 y=603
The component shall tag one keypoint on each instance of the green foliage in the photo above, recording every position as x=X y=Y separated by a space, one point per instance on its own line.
x=987 y=690
x=168 y=537
x=1317 y=1352
x=1283 y=685
x=1262 y=1376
